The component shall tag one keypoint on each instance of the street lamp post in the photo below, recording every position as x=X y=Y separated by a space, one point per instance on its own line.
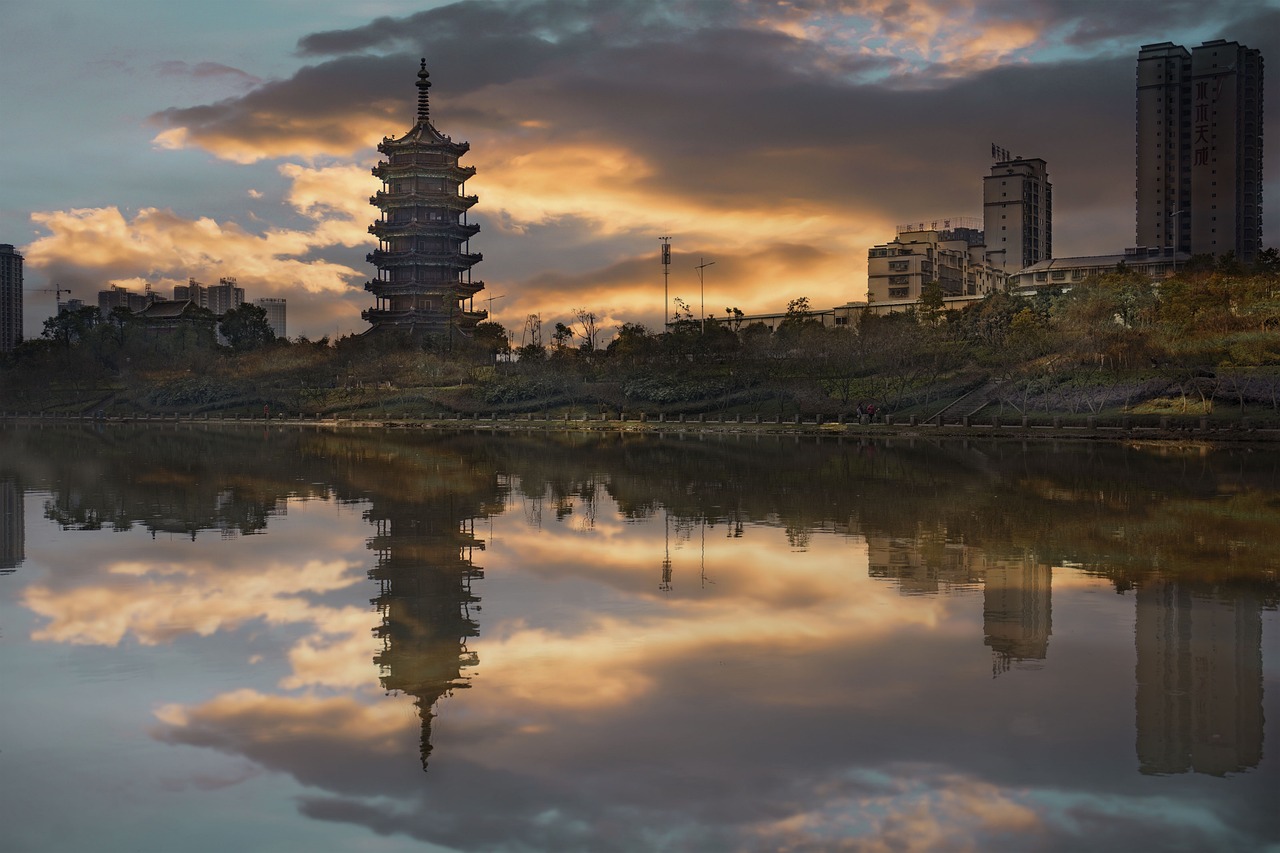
x=702 y=266
x=1173 y=240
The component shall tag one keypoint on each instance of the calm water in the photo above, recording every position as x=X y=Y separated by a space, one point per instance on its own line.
x=287 y=639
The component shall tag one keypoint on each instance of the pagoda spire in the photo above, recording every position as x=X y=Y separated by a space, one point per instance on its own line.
x=423 y=84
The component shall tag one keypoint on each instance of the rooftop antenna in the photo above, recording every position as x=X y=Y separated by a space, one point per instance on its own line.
x=666 y=271
x=702 y=266
x=491 y=297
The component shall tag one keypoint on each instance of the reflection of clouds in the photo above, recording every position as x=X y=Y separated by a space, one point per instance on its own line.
x=911 y=811
x=156 y=603
x=314 y=738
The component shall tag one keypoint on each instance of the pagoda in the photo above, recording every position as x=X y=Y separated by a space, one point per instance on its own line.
x=424 y=285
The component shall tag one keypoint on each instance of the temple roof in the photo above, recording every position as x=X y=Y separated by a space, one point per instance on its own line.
x=423 y=133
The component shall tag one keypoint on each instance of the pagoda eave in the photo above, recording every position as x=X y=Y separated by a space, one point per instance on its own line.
x=424 y=228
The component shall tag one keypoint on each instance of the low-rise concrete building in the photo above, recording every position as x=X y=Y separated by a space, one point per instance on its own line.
x=955 y=257
x=1057 y=273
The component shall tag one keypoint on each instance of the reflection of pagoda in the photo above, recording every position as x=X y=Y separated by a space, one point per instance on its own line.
x=1199 y=674
x=424 y=575
x=423 y=259
x=1017 y=612
x=12 y=550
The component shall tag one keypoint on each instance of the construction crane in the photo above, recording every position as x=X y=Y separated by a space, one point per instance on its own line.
x=57 y=295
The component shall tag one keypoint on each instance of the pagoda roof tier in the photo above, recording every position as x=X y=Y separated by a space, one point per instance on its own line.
x=424 y=228
x=423 y=137
x=448 y=201
x=458 y=289
x=455 y=260
x=420 y=319
x=422 y=166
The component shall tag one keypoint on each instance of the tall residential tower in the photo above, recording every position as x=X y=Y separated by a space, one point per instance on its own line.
x=424 y=264
x=1199 y=176
x=1017 y=212
x=10 y=297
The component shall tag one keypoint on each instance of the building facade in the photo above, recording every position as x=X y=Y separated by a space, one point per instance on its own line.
x=423 y=285
x=898 y=271
x=1199 y=148
x=274 y=306
x=1017 y=213
x=10 y=297
x=1057 y=273
x=218 y=298
x=119 y=297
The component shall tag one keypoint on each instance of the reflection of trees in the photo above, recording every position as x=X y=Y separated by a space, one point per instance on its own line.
x=1118 y=511
x=933 y=515
x=167 y=480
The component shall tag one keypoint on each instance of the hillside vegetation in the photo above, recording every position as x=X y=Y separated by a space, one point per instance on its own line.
x=1204 y=343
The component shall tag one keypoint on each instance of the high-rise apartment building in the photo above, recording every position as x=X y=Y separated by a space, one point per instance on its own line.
x=119 y=297
x=1199 y=173
x=274 y=306
x=218 y=298
x=10 y=297
x=1017 y=213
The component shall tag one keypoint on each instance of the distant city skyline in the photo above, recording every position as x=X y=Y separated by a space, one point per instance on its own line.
x=150 y=142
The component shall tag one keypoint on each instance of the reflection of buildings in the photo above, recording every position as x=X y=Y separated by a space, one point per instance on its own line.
x=424 y=575
x=1017 y=612
x=919 y=566
x=11 y=526
x=1199 y=674
x=1016 y=593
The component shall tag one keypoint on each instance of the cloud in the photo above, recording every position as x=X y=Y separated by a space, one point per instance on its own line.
x=744 y=129
x=141 y=600
x=95 y=247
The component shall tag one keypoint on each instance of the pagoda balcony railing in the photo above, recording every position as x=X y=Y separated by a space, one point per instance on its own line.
x=427 y=316
x=422 y=286
x=425 y=228
x=413 y=164
x=385 y=200
x=390 y=146
x=382 y=258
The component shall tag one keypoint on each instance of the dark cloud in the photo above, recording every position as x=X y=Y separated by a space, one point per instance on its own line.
x=206 y=70
x=726 y=114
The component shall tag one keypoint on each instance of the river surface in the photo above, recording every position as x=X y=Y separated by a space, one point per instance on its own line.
x=293 y=639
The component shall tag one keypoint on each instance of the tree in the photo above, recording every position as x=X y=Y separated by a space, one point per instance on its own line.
x=491 y=337
x=590 y=331
x=931 y=302
x=246 y=328
x=71 y=327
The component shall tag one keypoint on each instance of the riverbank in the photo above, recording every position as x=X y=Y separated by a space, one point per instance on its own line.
x=1147 y=429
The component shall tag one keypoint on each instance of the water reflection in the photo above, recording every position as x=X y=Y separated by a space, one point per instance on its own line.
x=424 y=572
x=12 y=526
x=768 y=630
x=1199 y=677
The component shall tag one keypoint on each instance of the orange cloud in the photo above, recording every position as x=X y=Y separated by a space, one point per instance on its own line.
x=254 y=720
x=162 y=248
x=163 y=601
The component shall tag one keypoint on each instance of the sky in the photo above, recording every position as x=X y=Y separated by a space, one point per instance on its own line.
x=147 y=142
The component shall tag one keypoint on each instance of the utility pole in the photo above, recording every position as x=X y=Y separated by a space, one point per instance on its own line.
x=702 y=266
x=666 y=271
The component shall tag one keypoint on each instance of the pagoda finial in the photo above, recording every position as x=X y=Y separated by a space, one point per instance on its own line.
x=424 y=83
